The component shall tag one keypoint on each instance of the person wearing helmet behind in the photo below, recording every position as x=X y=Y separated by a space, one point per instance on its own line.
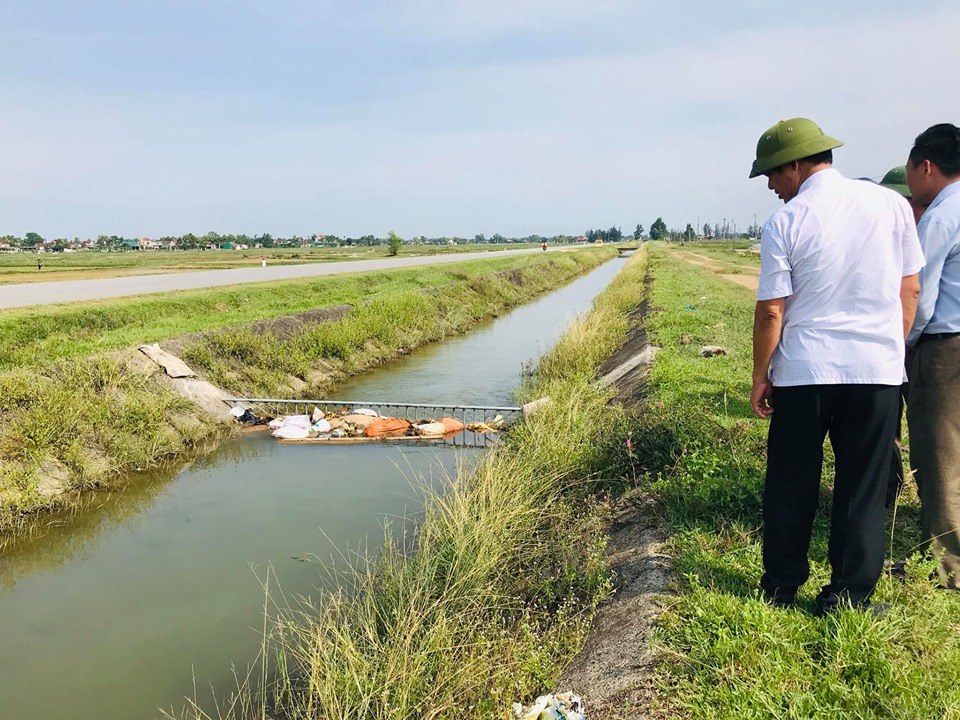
x=837 y=291
x=896 y=180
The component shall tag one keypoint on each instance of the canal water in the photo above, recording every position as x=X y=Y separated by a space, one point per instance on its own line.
x=121 y=607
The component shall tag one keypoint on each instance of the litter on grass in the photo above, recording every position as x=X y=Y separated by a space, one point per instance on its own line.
x=564 y=706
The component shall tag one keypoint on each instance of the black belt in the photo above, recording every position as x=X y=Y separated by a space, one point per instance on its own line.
x=936 y=336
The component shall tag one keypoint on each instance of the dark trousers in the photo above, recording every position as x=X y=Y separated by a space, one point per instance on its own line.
x=861 y=421
x=933 y=415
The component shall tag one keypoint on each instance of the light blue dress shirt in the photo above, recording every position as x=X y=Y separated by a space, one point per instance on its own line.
x=938 y=310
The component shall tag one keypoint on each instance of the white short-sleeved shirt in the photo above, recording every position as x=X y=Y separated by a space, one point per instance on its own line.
x=837 y=253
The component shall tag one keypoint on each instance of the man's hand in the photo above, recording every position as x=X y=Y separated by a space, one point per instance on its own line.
x=761 y=398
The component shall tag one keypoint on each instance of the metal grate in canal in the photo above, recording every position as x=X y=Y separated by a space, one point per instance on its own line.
x=467 y=414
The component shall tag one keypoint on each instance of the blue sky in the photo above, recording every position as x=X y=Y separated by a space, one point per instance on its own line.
x=155 y=117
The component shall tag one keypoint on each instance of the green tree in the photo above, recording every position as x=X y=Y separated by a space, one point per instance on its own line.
x=479 y=239
x=658 y=230
x=188 y=242
x=395 y=242
x=638 y=233
x=707 y=230
x=32 y=239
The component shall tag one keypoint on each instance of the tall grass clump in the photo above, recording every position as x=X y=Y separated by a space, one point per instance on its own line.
x=491 y=595
x=701 y=454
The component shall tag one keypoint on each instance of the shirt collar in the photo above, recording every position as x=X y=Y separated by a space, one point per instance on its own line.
x=949 y=190
x=819 y=178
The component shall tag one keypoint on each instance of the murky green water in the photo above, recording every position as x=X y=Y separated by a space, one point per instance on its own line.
x=116 y=610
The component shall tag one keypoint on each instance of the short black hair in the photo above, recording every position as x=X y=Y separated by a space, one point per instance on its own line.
x=822 y=157
x=940 y=144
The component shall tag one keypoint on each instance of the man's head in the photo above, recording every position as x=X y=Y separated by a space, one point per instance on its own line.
x=896 y=180
x=790 y=152
x=934 y=162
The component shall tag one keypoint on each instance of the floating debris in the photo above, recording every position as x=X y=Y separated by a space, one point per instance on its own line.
x=363 y=424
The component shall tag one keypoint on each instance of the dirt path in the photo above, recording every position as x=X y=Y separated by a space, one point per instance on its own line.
x=748 y=278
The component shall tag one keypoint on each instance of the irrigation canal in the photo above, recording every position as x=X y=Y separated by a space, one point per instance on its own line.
x=118 y=608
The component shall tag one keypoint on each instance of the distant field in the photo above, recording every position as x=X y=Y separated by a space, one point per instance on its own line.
x=22 y=267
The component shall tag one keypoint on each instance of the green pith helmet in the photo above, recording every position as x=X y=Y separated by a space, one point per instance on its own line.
x=896 y=180
x=790 y=140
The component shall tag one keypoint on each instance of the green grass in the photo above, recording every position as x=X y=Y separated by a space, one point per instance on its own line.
x=726 y=654
x=489 y=598
x=74 y=416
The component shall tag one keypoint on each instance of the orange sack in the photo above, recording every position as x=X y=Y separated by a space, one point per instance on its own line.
x=386 y=426
x=451 y=425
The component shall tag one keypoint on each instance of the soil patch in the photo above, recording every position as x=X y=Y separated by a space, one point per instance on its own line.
x=282 y=328
x=748 y=281
x=749 y=277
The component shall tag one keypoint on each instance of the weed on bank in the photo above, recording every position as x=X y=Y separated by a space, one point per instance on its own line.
x=490 y=597
x=725 y=653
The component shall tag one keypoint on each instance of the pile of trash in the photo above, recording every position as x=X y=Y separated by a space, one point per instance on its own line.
x=364 y=423
x=564 y=706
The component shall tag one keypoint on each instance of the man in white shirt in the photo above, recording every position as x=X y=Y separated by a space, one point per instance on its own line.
x=837 y=294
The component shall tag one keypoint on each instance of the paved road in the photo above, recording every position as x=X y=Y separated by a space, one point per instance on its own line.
x=27 y=294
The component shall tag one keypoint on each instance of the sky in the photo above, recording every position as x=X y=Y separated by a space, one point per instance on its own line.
x=443 y=117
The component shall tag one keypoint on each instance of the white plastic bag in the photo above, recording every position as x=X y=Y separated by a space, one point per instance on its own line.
x=303 y=421
x=291 y=432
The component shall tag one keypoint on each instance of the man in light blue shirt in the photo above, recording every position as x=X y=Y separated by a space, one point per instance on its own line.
x=933 y=407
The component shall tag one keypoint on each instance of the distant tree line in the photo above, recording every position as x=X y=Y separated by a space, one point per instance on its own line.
x=614 y=234
x=721 y=231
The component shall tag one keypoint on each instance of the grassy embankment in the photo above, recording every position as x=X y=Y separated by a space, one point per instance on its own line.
x=491 y=596
x=22 y=267
x=75 y=414
x=727 y=654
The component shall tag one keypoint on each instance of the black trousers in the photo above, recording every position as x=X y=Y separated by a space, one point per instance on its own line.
x=861 y=421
